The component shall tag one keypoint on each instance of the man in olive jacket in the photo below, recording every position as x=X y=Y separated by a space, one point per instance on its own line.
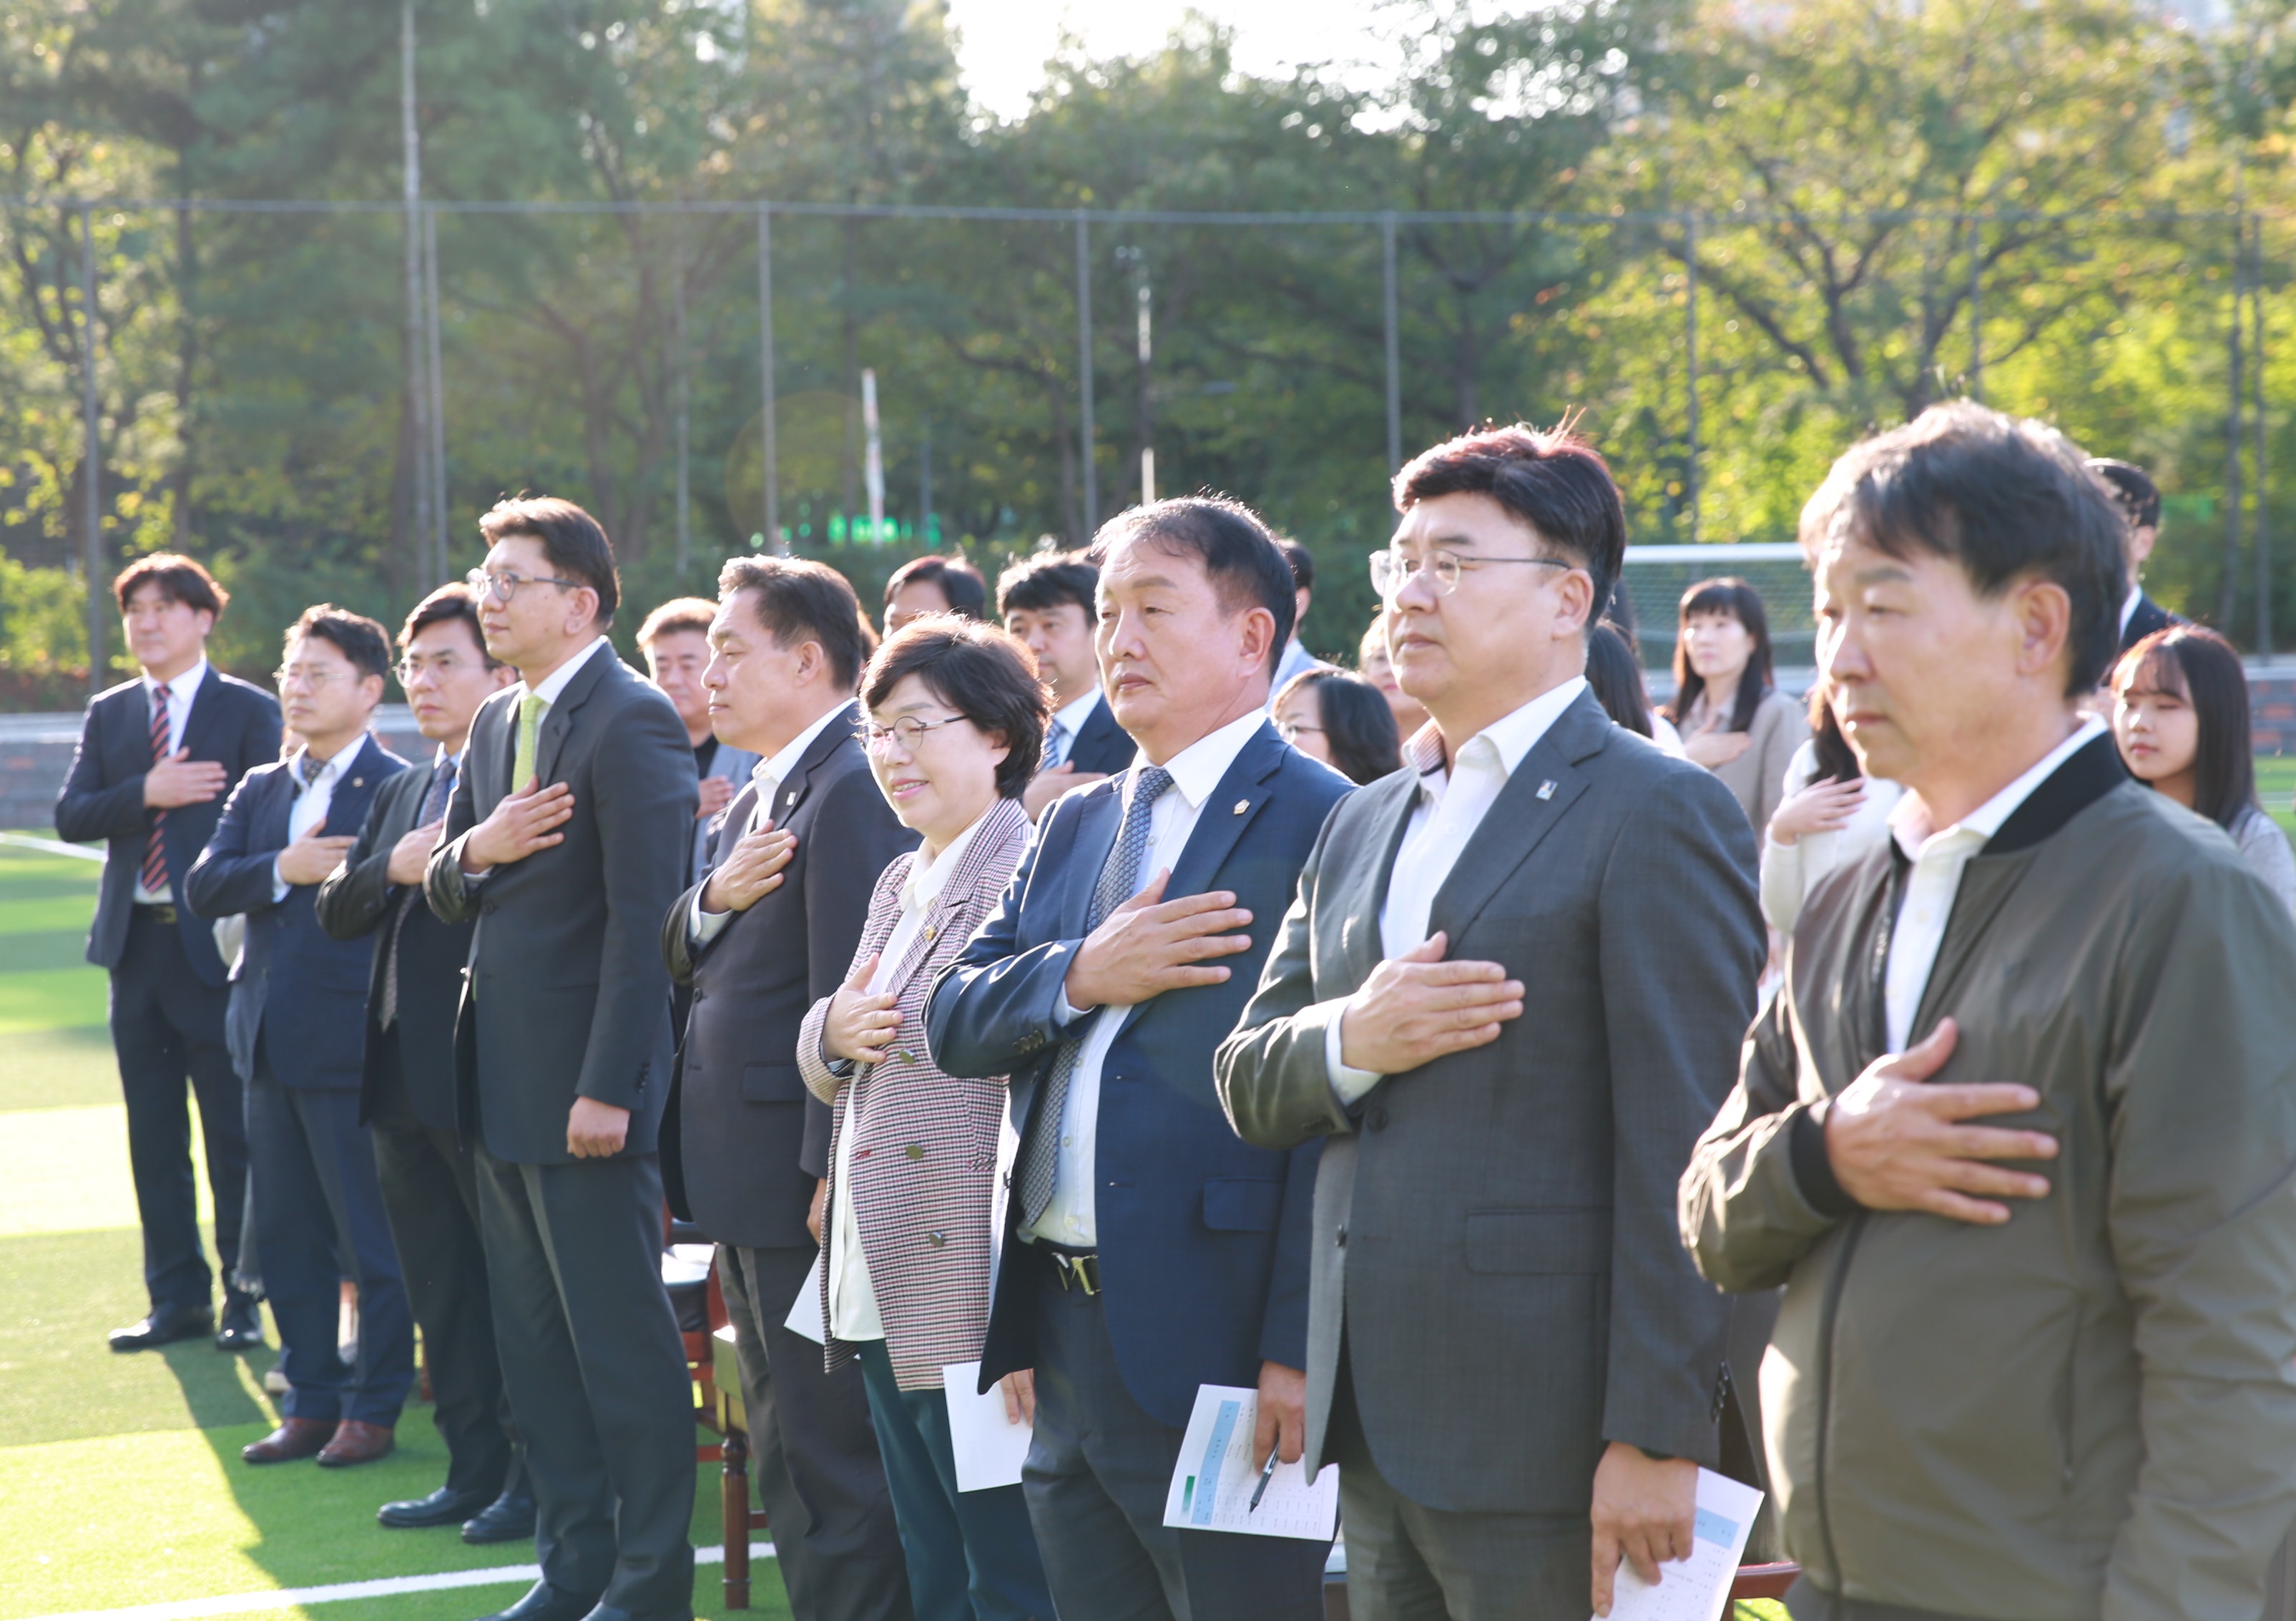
x=2018 y=1135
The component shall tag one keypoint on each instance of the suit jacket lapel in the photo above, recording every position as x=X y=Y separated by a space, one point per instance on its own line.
x=355 y=789
x=1543 y=785
x=206 y=699
x=558 y=719
x=1100 y=818
x=837 y=734
x=1366 y=895
x=1004 y=826
x=279 y=809
x=1234 y=805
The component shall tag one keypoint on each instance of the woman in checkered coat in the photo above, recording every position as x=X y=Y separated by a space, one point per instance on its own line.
x=955 y=728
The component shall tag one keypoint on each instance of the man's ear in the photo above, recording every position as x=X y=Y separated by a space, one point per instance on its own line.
x=2043 y=611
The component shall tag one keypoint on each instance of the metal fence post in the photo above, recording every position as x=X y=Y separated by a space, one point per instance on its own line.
x=2263 y=457
x=1690 y=489
x=99 y=603
x=437 y=388
x=771 y=538
x=679 y=384
x=2233 y=434
x=1394 y=344
x=1084 y=372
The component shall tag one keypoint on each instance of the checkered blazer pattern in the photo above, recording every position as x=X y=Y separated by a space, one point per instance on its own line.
x=924 y=1163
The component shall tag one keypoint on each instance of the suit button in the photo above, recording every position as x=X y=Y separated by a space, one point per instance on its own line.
x=915 y=1150
x=1339 y=1238
x=905 y=1056
x=936 y=1240
x=1378 y=1120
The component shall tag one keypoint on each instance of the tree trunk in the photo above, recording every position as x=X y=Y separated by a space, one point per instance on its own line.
x=849 y=461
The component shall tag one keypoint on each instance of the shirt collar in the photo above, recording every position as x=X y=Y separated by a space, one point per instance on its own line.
x=1074 y=716
x=332 y=766
x=1909 y=821
x=777 y=770
x=554 y=683
x=185 y=682
x=2128 y=605
x=928 y=876
x=1512 y=735
x=1197 y=770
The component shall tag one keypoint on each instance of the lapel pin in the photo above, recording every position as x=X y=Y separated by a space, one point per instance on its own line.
x=358 y=782
x=1242 y=806
x=791 y=799
x=1547 y=789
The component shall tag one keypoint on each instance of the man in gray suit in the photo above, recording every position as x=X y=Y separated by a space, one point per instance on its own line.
x=567 y=839
x=1510 y=994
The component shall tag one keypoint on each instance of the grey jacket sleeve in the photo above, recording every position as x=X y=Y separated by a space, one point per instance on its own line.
x=1271 y=1072
x=2202 y=1218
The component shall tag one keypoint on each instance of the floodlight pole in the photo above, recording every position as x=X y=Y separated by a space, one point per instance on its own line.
x=772 y=540
x=90 y=459
x=1690 y=491
x=417 y=387
x=437 y=386
x=1394 y=343
x=1084 y=372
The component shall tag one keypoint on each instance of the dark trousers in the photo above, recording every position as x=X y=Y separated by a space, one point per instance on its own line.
x=168 y=1029
x=813 y=1451
x=1407 y=1562
x=596 y=1372
x=1097 y=1475
x=319 y=1208
x=972 y=1555
x=430 y=1194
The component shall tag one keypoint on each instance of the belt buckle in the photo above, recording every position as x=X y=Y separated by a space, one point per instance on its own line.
x=1078 y=1271
x=159 y=911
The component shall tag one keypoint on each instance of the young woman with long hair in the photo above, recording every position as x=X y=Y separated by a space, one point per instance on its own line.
x=1733 y=719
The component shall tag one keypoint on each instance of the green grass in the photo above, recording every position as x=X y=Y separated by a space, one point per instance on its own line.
x=120 y=1482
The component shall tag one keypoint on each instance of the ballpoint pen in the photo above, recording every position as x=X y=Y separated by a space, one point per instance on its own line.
x=1267 y=1474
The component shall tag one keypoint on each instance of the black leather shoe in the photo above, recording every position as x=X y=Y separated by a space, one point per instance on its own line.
x=443 y=1507
x=242 y=1328
x=508 y=1518
x=165 y=1326
x=543 y=1602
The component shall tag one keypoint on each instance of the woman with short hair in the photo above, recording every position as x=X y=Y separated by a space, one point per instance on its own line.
x=954 y=730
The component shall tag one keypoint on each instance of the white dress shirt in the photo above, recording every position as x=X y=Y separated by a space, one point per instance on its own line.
x=1451 y=806
x=177 y=695
x=554 y=683
x=312 y=800
x=853 y=1312
x=1938 y=858
x=1068 y=725
x=768 y=774
x=1196 y=770
x=2129 y=605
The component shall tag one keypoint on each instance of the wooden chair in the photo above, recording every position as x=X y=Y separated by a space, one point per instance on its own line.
x=739 y=1517
x=1763 y=1581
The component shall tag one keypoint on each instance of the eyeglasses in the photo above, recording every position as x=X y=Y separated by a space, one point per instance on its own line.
x=1291 y=731
x=501 y=586
x=908 y=729
x=443 y=665
x=1392 y=569
x=313 y=675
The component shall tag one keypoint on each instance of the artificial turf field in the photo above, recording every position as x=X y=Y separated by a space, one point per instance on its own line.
x=120 y=1483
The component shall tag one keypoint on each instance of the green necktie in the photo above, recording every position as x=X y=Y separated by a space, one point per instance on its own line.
x=530 y=724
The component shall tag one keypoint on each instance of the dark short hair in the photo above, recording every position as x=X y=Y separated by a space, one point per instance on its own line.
x=1037 y=584
x=981 y=673
x=2133 y=490
x=1550 y=479
x=1724 y=594
x=1302 y=562
x=571 y=538
x=798 y=600
x=358 y=638
x=2006 y=498
x=1359 y=727
x=690 y=615
x=179 y=579
x=447 y=603
x=1238 y=554
x=2199 y=666
x=1616 y=678
x=959 y=583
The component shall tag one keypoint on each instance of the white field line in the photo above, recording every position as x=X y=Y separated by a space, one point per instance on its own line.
x=25 y=841
x=388 y=1587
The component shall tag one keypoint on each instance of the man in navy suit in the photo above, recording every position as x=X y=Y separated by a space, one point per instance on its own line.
x=1047 y=602
x=297 y=1030
x=1147 y=1250
x=156 y=757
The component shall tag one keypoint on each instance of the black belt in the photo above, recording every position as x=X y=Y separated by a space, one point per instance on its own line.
x=1076 y=1269
x=157 y=911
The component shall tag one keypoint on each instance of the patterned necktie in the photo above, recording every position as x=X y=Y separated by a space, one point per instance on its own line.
x=530 y=728
x=434 y=806
x=308 y=766
x=155 y=850
x=1120 y=879
x=1057 y=747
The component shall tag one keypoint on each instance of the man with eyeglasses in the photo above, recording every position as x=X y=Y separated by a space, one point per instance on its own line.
x=771 y=931
x=1508 y=999
x=565 y=843
x=295 y=1025
x=430 y=1190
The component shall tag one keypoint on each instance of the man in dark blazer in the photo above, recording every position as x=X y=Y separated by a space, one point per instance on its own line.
x=2139 y=497
x=407 y=1096
x=157 y=756
x=1147 y=1250
x=297 y=998
x=771 y=931
x=1508 y=999
x=675 y=642
x=1047 y=602
x=566 y=841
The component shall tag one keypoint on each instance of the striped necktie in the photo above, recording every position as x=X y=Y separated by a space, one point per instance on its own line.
x=154 y=875
x=1120 y=879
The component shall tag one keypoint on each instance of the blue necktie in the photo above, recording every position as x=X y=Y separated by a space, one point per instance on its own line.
x=1119 y=880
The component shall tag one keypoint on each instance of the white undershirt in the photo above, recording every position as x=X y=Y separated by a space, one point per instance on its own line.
x=311 y=801
x=1196 y=770
x=1939 y=858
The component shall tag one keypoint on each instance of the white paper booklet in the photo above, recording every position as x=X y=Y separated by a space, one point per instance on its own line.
x=989 y=1447
x=805 y=1311
x=1698 y=1588
x=1213 y=1483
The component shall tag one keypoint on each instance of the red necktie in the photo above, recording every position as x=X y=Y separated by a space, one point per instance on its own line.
x=155 y=850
